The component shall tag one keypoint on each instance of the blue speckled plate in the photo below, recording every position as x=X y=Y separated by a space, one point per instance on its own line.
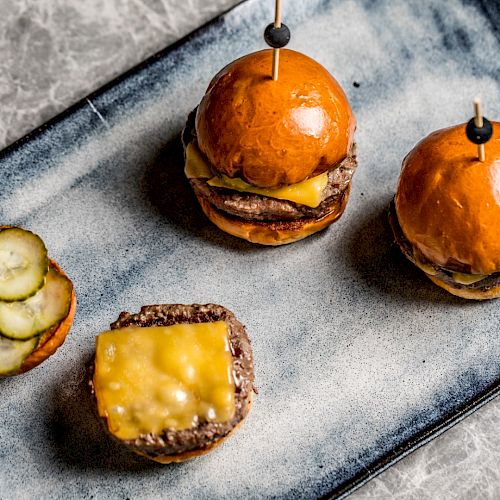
x=359 y=359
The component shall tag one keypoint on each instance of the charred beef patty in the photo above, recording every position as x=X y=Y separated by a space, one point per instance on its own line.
x=175 y=442
x=257 y=207
x=444 y=274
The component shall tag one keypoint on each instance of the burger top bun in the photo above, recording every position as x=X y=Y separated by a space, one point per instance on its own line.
x=448 y=202
x=273 y=133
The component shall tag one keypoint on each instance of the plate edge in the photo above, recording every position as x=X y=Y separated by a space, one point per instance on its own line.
x=82 y=102
x=412 y=444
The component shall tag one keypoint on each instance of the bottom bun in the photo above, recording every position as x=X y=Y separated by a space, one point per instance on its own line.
x=53 y=338
x=271 y=233
x=467 y=293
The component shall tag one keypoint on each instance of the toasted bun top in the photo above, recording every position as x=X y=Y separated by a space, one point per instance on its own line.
x=272 y=133
x=448 y=202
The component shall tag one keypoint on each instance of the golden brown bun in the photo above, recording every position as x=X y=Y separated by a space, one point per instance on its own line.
x=448 y=202
x=272 y=133
x=271 y=233
x=187 y=455
x=54 y=338
x=467 y=293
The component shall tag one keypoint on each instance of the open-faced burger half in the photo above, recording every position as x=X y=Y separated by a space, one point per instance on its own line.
x=37 y=302
x=271 y=161
x=446 y=212
x=173 y=381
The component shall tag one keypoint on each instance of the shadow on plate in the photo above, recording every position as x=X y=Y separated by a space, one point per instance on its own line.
x=77 y=439
x=379 y=263
x=169 y=192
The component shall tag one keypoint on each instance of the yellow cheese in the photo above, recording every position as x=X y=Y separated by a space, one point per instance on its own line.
x=155 y=378
x=463 y=279
x=308 y=192
x=426 y=268
x=196 y=166
x=467 y=279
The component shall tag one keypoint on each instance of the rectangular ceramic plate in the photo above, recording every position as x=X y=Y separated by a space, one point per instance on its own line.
x=359 y=359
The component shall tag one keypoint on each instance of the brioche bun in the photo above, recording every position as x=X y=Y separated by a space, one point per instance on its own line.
x=274 y=133
x=271 y=233
x=448 y=202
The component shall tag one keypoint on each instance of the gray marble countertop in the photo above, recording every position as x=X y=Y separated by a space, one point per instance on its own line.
x=55 y=52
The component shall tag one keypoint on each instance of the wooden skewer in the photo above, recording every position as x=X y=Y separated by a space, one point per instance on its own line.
x=277 y=14
x=276 y=52
x=478 y=121
x=276 y=62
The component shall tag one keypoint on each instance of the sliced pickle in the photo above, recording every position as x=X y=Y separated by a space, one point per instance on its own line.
x=23 y=264
x=29 y=318
x=13 y=353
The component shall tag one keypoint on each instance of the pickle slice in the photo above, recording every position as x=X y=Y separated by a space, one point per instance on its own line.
x=13 y=353
x=31 y=317
x=23 y=264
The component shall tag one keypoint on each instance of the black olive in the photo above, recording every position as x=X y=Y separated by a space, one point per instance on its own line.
x=479 y=135
x=277 y=37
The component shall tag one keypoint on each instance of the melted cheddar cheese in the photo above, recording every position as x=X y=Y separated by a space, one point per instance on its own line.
x=467 y=279
x=196 y=167
x=150 y=379
x=308 y=192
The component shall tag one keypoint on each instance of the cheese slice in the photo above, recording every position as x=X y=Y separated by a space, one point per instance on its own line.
x=463 y=279
x=467 y=279
x=308 y=192
x=196 y=166
x=426 y=268
x=150 y=379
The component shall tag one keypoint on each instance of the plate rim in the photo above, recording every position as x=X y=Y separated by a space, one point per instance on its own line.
x=397 y=453
x=408 y=446
x=83 y=101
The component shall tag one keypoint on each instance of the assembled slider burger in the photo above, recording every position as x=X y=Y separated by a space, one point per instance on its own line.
x=271 y=161
x=446 y=212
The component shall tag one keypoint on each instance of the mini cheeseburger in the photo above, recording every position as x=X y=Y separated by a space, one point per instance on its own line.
x=271 y=161
x=173 y=381
x=446 y=212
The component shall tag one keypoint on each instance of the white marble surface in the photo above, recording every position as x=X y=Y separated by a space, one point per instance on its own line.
x=54 y=52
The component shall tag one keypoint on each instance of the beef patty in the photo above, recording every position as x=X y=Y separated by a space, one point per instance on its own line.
x=257 y=207
x=445 y=274
x=173 y=442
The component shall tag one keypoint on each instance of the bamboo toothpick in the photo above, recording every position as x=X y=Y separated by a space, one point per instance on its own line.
x=478 y=121
x=276 y=52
